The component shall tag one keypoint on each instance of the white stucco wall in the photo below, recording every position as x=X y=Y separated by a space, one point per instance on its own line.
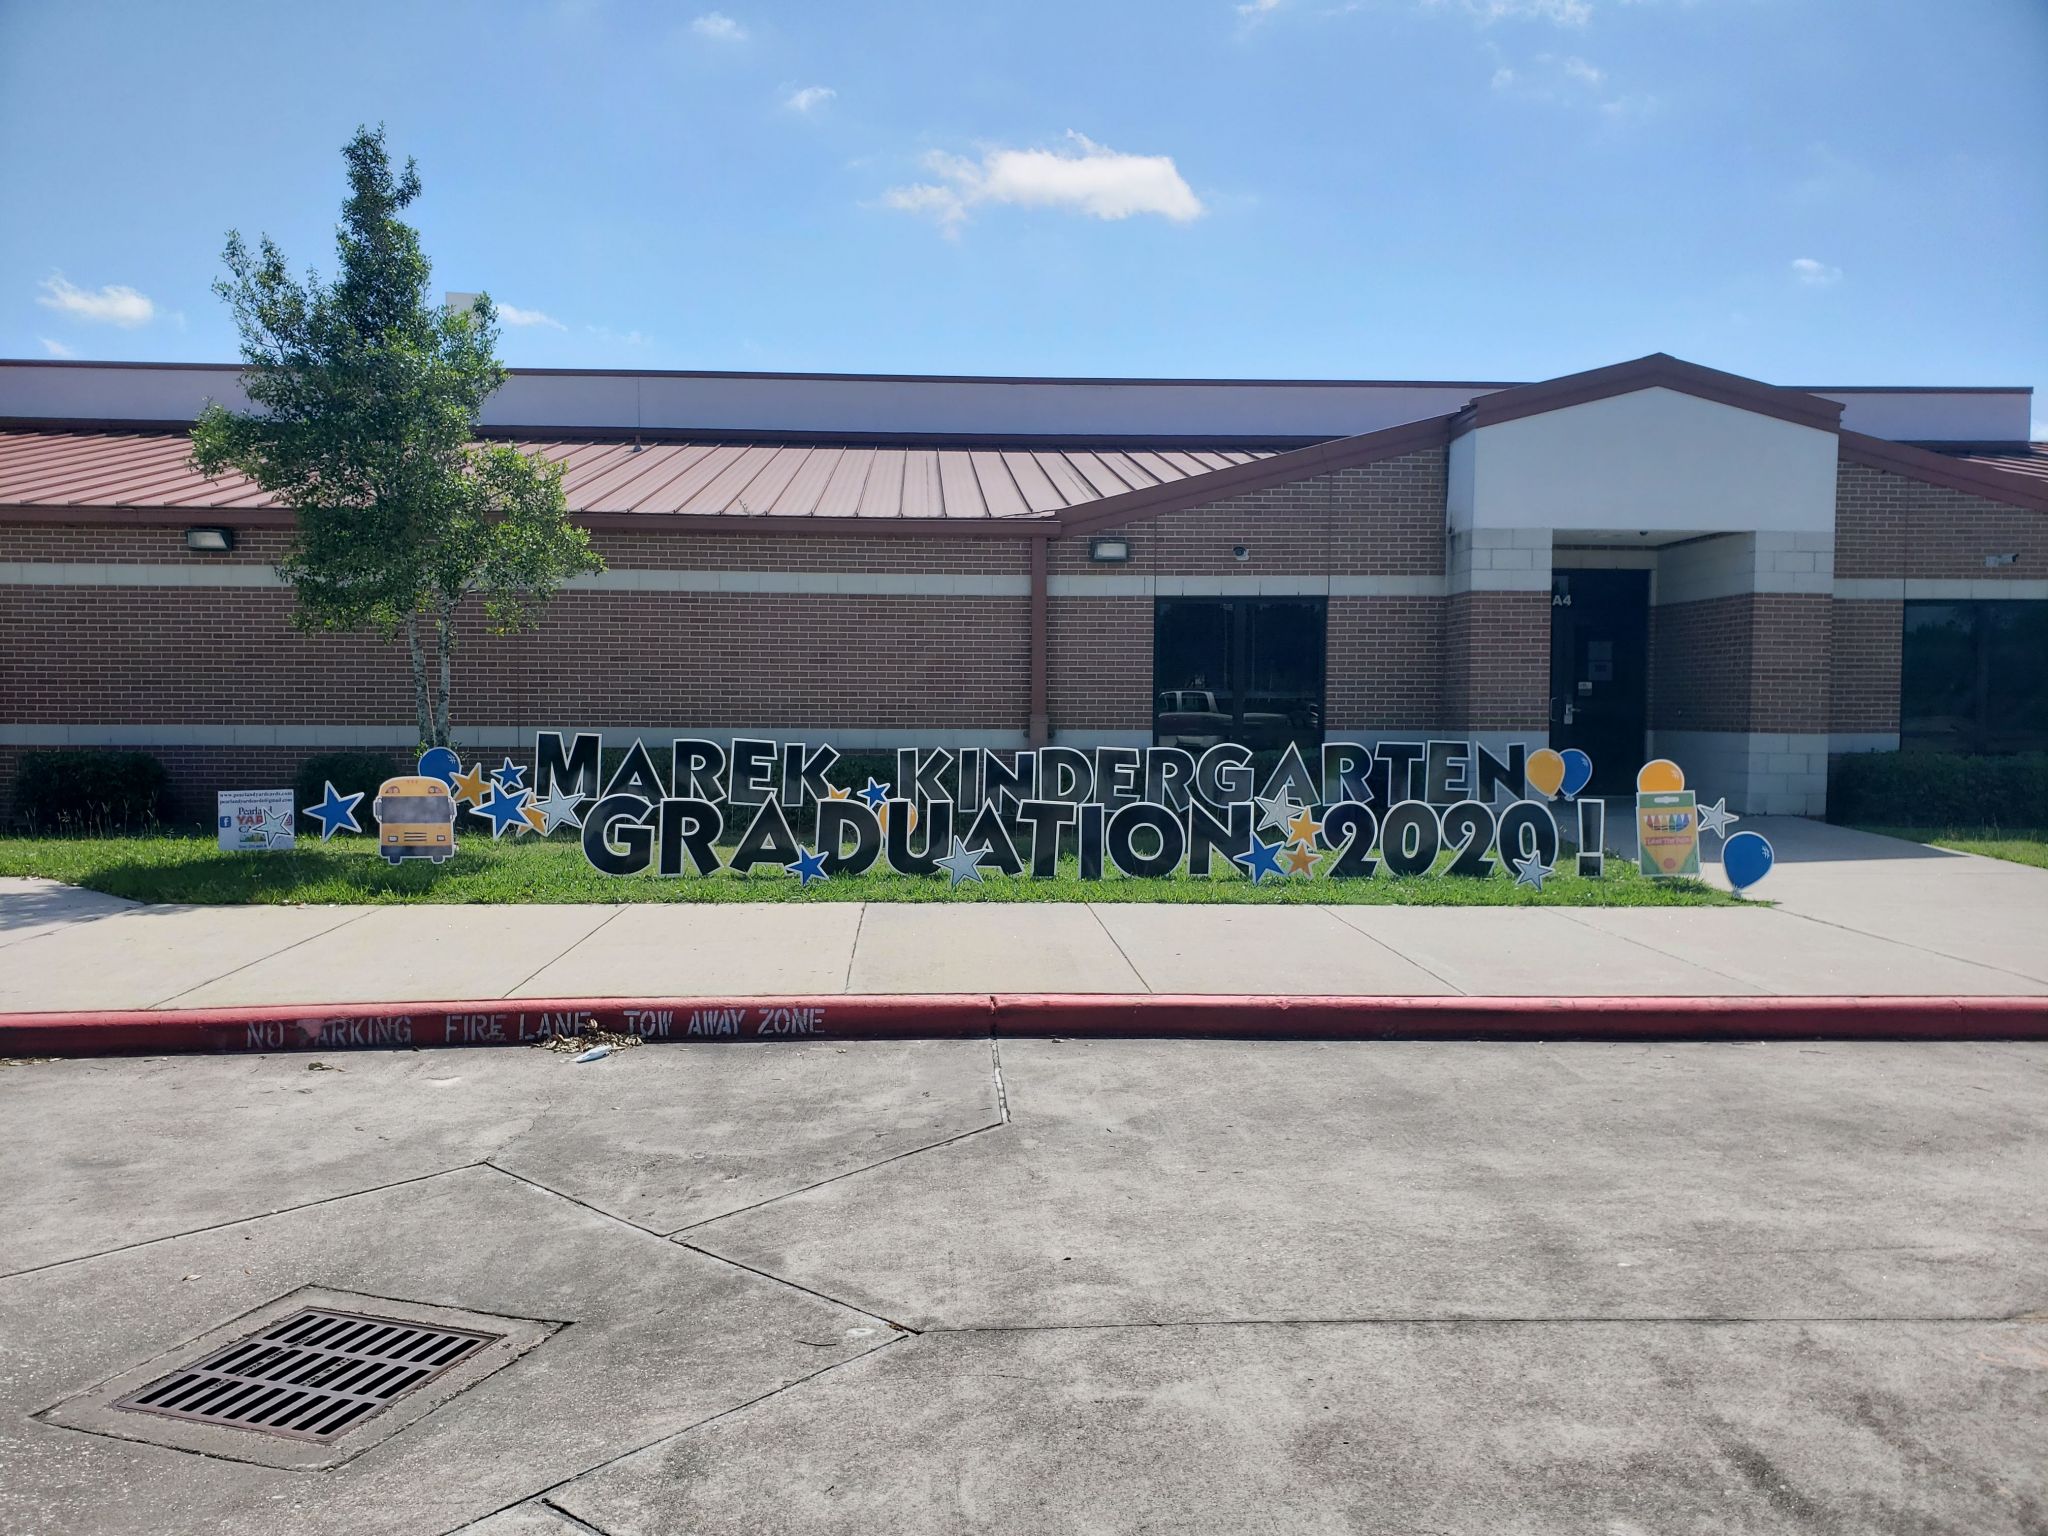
x=1654 y=460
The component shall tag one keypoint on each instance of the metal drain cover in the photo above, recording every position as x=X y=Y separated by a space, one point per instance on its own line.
x=311 y=1376
x=310 y=1380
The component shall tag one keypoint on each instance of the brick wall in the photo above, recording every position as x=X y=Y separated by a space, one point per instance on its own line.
x=1865 y=693
x=1386 y=662
x=1497 y=661
x=1746 y=662
x=1889 y=526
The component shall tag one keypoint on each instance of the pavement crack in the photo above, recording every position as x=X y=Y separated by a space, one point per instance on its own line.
x=573 y=1522
x=995 y=1060
x=238 y=1221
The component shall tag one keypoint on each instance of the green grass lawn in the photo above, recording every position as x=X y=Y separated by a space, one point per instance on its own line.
x=2024 y=845
x=348 y=869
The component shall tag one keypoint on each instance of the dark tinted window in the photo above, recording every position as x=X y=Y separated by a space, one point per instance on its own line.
x=1973 y=676
x=1241 y=669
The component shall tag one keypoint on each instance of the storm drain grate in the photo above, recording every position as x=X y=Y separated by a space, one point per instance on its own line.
x=310 y=1376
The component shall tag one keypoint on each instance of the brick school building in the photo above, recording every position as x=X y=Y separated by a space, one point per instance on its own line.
x=1647 y=559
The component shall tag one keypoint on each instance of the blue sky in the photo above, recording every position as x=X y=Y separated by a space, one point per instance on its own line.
x=1810 y=191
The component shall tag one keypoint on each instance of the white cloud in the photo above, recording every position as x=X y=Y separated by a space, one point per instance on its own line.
x=57 y=348
x=1815 y=274
x=512 y=314
x=719 y=27
x=1252 y=10
x=1087 y=178
x=1563 y=13
x=811 y=96
x=1578 y=69
x=114 y=304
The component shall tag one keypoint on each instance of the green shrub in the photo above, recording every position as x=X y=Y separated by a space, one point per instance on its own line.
x=87 y=790
x=1939 y=789
x=348 y=772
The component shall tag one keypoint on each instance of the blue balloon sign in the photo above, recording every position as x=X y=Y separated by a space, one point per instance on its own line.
x=440 y=763
x=1746 y=858
x=1578 y=771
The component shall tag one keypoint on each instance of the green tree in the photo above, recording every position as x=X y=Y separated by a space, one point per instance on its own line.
x=367 y=397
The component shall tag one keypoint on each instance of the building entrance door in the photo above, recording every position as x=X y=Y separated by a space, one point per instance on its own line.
x=1600 y=672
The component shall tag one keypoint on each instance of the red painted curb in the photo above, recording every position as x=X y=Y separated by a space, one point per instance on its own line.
x=1024 y=1016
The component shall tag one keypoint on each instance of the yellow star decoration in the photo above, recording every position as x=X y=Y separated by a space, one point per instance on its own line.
x=1303 y=828
x=1298 y=859
x=531 y=814
x=834 y=792
x=471 y=786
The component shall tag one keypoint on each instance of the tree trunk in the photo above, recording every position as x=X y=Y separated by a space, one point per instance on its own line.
x=444 y=640
x=422 y=713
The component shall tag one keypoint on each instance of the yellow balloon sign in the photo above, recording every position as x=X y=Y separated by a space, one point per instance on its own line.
x=1659 y=776
x=1545 y=771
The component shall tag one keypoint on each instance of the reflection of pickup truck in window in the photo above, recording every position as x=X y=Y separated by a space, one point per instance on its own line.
x=1194 y=718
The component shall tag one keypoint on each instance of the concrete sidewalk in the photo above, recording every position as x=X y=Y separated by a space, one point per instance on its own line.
x=1113 y=1286
x=1857 y=915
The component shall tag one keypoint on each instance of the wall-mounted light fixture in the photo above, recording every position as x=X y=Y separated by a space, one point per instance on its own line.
x=1240 y=552
x=210 y=541
x=1109 y=551
x=1992 y=562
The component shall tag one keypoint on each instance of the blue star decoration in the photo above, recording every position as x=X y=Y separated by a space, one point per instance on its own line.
x=504 y=809
x=1532 y=871
x=1717 y=818
x=336 y=812
x=875 y=794
x=962 y=863
x=809 y=866
x=559 y=808
x=1263 y=860
x=511 y=776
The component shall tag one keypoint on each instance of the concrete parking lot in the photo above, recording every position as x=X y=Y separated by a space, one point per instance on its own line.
x=1063 y=1286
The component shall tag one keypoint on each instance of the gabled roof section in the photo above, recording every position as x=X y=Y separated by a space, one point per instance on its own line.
x=1659 y=370
x=1276 y=469
x=2017 y=480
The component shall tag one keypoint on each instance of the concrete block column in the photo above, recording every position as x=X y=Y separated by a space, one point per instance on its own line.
x=1741 y=667
x=1497 y=631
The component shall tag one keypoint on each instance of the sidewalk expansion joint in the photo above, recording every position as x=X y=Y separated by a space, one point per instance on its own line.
x=1143 y=980
x=545 y=1495
x=995 y=1061
x=573 y=1522
x=1666 y=954
x=566 y=950
x=719 y=1258
x=240 y=1221
x=245 y=965
x=1452 y=1320
x=797 y=1285
x=1337 y=916
x=894 y=1157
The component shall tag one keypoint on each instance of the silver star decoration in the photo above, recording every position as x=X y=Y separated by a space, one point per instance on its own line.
x=1277 y=809
x=559 y=808
x=1716 y=818
x=277 y=828
x=1532 y=871
x=962 y=863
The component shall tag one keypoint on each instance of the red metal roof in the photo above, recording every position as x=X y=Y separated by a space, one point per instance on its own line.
x=153 y=470
x=2030 y=460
